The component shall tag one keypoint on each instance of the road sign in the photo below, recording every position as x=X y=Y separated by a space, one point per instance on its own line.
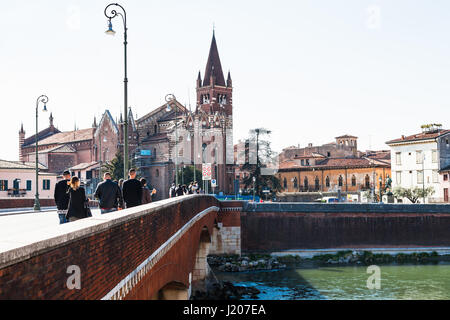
x=206 y=171
x=213 y=183
x=146 y=152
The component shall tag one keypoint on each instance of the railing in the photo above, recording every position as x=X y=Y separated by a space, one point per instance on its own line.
x=17 y=192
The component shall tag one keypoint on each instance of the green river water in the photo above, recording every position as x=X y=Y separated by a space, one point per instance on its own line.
x=398 y=282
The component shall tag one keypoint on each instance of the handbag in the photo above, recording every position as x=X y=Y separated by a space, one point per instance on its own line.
x=87 y=210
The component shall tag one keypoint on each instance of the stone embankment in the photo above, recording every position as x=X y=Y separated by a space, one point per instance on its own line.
x=235 y=263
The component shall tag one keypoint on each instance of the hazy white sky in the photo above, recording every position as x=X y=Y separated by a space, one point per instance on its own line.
x=307 y=70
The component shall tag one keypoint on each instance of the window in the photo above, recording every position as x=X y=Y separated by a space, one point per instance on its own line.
x=353 y=181
x=367 y=181
x=3 y=185
x=419 y=176
x=157 y=173
x=305 y=182
x=445 y=177
x=398 y=158
x=285 y=183
x=295 y=183
x=89 y=174
x=302 y=162
x=316 y=183
x=327 y=182
x=328 y=154
x=340 y=181
x=398 y=177
x=29 y=185
x=434 y=156
x=419 y=157
x=435 y=176
x=307 y=162
x=46 y=184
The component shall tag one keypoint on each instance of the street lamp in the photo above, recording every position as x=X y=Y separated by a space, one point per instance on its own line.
x=205 y=183
x=169 y=99
x=111 y=13
x=44 y=100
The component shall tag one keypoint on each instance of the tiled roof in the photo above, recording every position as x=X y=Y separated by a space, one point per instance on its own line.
x=84 y=165
x=41 y=135
x=336 y=163
x=345 y=136
x=68 y=137
x=419 y=136
x=5 y=164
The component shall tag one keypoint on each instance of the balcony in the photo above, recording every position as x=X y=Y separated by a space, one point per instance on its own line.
x=17 y=192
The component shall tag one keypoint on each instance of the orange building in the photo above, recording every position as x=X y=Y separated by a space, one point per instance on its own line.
x=333 y=174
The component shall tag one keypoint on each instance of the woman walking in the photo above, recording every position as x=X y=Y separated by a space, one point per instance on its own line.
x=77 y=201
x=146 y=193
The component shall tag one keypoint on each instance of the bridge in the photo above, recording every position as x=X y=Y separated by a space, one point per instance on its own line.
x=159 y=250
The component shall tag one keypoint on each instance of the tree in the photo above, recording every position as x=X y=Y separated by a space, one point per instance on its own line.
x=264 y=155
x=413 y=194
x=186 y=174
x=115 y=166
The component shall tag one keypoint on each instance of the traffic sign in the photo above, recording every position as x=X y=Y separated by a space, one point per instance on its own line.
x=213 y=183
x=206 y=171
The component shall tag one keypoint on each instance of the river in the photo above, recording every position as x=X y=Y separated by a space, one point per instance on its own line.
x=397 y=282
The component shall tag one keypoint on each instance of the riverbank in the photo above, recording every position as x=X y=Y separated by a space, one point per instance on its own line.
x=253 y=262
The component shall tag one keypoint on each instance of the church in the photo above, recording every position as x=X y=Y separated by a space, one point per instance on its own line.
x=170 y=136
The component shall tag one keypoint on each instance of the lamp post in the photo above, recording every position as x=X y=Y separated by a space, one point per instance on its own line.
x=205 y=183
x=169 y=98
x=44 y=100
x=111 y=13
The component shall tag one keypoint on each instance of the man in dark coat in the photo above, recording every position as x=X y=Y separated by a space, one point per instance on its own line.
x=132 y=190
x=109 y=194
x=62 y=197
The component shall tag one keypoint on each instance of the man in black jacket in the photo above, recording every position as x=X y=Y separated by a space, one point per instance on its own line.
x=62 y=197
x=132 y=190
x=109 y=194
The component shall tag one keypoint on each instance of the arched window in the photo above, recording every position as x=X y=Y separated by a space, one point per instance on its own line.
x=340 y=181
x=353 y=181
x=305 y=183
x=285 y=183
x=367 y=181
x=327 y=182
x=157 y=172
x=155 y=129
x=295 y=183
x=316 y=183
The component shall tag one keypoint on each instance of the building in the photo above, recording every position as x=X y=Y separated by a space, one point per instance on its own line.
x=417 y=160
x=333 y=174
x=179 y=136
x=18 y=179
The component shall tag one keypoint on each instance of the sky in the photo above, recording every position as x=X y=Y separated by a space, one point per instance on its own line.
x=307 y=70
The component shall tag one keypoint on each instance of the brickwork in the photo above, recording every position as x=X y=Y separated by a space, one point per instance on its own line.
x=227 y=239
x=109 y=251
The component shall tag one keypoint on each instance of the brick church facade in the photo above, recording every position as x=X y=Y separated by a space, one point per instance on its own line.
x=204 y=136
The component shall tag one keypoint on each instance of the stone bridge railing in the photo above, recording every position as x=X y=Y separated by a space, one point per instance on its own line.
x=147 y=252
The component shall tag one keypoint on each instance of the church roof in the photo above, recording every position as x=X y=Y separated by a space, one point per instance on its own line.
x=213 y=66
x=69 y=136
x=41 y=135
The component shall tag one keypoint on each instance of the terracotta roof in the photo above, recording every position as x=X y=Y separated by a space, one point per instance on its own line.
x=419 y=136
x=70 y=136
x=213 y=66
x=5 y=164
x=41 y=135
x=346 y=136
x=335 y=163
x=84 y=165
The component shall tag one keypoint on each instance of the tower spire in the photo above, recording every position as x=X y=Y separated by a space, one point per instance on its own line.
x=213 y=66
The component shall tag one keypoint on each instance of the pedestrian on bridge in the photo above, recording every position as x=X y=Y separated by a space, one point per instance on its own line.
x=62 y=197
x=146 y=193
x=77 y=201
x=109 y=195
x=132 y=190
